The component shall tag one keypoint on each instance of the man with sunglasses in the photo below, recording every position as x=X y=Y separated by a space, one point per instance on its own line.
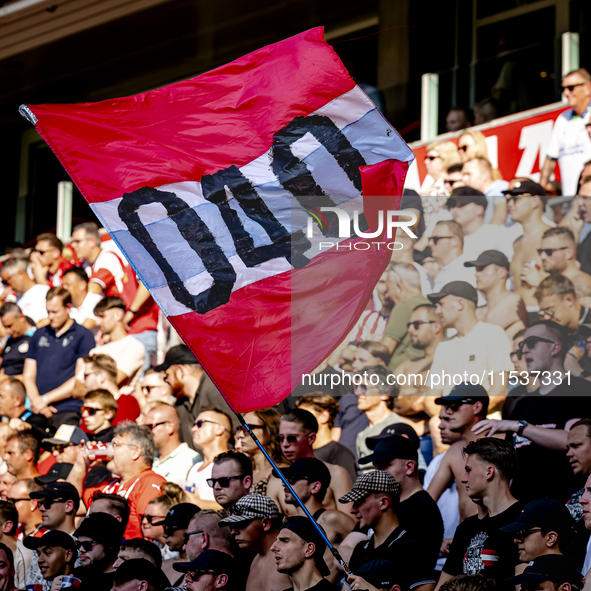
x=98 y=539
x=174 y=459
x=211 y=434
x=66 y=443
x=212 y=570
x=570 y=145
x=526 y=202
x=29 y=516
x=205 y=533
x=255 y=524
x=465 y=406
x=539 y=422
x=98 y=411
x=544 y=527
x=47 y=263
x=558 y=251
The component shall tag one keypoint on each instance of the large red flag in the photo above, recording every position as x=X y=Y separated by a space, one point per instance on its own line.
x=206 y=186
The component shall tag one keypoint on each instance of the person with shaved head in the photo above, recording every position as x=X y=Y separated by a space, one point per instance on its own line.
x=175 y=459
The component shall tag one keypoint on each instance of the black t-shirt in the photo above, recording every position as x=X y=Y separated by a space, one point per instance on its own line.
x=420 y=515
x=336 y=453
x=105 y=436
x=542 y=472
x=479 y=546
x=584 y=254
x=14 y=355
x=400 y=560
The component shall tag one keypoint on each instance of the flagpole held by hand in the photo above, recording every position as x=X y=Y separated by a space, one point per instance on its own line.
x=278 y=472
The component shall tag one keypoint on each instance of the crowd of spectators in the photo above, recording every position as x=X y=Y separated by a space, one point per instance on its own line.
x=122 y=467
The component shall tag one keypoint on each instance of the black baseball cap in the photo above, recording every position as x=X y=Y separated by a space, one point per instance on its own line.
x=467 y=195
x=555 y=567
x=177 y=355
x=304 y=528
x=461 y=289
x=103 y=528
x=58 y=490
x=51 y=538
x=392 y=448
x=394 y=429
x=180 y=516
x=56 y=472
x=214 y=560
x=550 y=514
x=489 y=257
x=311 y=468
x=140 y=569
x=528 y=188
x=463 y=394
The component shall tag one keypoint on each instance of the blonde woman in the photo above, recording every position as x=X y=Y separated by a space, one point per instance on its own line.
x=440 y=156
x=472 y=144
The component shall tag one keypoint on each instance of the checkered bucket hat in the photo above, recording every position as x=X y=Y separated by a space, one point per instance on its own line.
x=376 y=481
x=254 y=506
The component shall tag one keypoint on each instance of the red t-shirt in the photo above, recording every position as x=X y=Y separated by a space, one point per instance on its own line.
x=128 y=409
x=56 y=279
x=139 y=490
x=44 y=465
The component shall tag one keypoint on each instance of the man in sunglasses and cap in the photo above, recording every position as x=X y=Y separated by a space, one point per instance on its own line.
x=212 y=570
x=254 y=524
x=549 y=573
x=391 y=556
x=465 y=407
x=477 y=348
x=299 y=553
x=539 y=422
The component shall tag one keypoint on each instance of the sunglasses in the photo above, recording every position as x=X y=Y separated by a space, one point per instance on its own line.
x=571 y=87
x=170 y=529
x=518 y=354
x=526 y=532
x=86 y=546
x=224 y=481
x=15 y=501
x=545 y=312
x=514 y=198
x=294 y=479
x=418 y=323
x=531 y=342
x=431 y=158
x=242 y=429
x=89 y=410
x=193 y=575
x=289 y=438
x=450 y=182
x=201 y=422
x=152 y=426
x=361 y=387
x=550 y=251
x=463 y=148
x=454 y=406
x=188 y=534
x=152 y=518
x=436 y=239
x=47 y=503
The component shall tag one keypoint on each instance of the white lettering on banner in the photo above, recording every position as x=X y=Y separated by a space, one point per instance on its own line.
x=534 y=141
x=492 y=145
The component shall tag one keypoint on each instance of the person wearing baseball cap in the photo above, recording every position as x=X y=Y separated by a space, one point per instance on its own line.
x=310 y=479
x=56 y=555
x=58 y=503
x=543 y=527
x=299 y=553
x=146 y=576
x=192 y=388
x=555 y=569
x=65 y=443
x=212 y=570
x=254 y=524
x=417 y=512
x=526 y=202
x=477 y=348
x=464 y=407
x=467 y=207
x=391 y=556
x=503 y=307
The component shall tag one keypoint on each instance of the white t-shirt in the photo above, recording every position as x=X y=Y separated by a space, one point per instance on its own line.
x=484 y=349
x=455 y=271
x=198 y=479
x=33 y=303
x=129 y=354
x=570 y=145
x=493 y=195
x=86 y=310
x=488 y=237
x=175 y=466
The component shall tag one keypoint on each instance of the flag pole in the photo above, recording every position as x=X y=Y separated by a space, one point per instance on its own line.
x=277 y=471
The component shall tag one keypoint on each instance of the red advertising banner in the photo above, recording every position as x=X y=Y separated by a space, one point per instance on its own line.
x=517 y=144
